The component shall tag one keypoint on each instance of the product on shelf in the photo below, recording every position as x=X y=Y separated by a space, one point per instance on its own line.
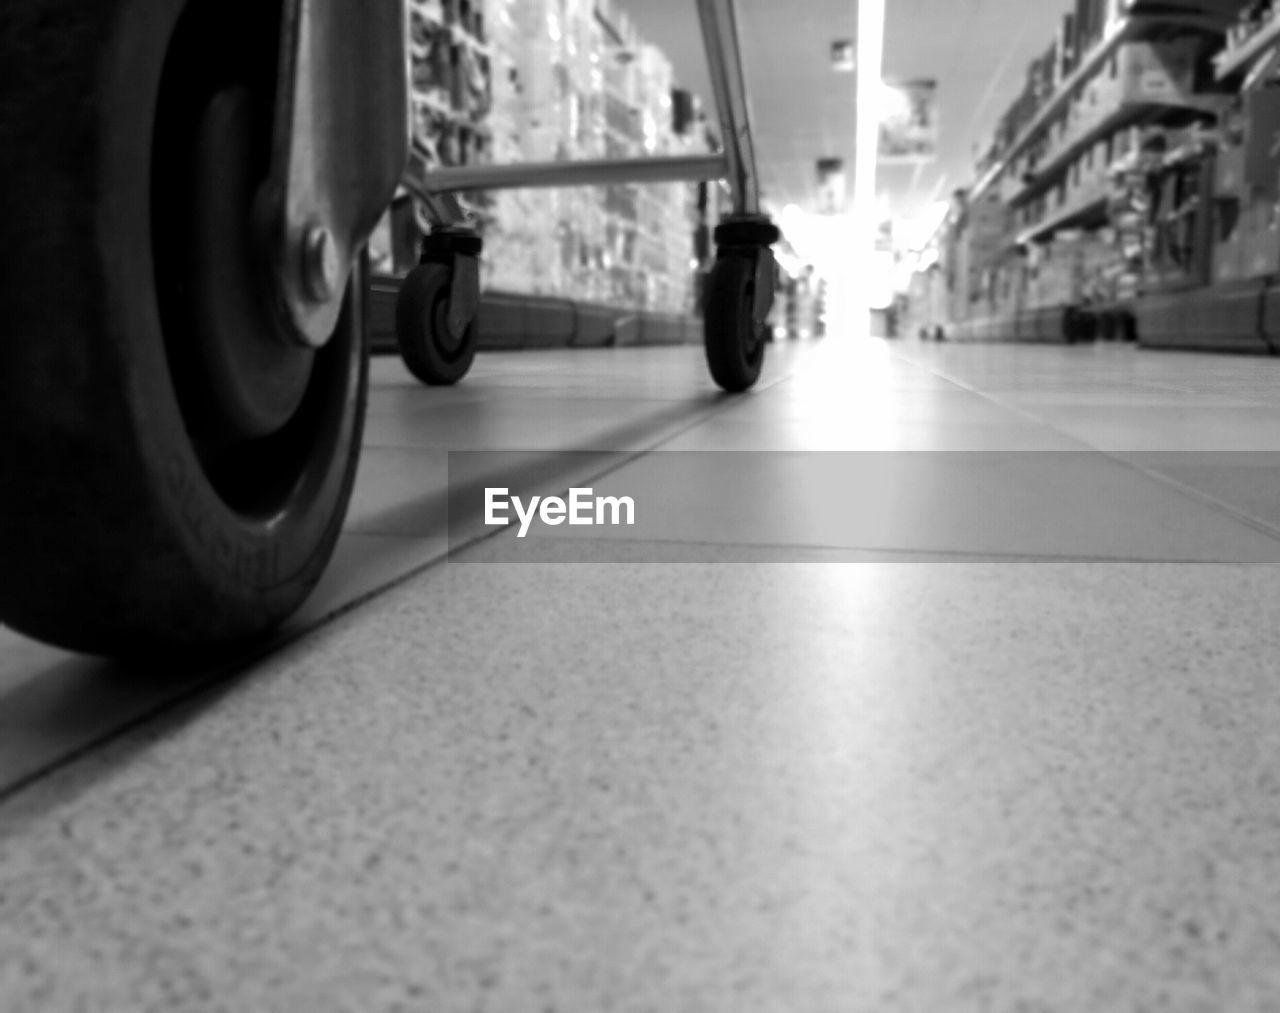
x=515 y=81
x=1138 y=157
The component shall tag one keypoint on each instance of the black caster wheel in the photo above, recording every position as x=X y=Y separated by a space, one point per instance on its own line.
x=1128 y=327
x=176 y=470
x=1088 y=327
x=737 y=299
x=1071 y=325
x=435 y=350
x=734 y=342
x=1108 y=326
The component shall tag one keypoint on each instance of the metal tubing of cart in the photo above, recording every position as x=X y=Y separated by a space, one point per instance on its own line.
x=601 y=172
x=737 y=163
x=724 y=61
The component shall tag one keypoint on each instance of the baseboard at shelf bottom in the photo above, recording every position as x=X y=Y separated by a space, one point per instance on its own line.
x=510 y=321
x=1235 y=317
x=1042 y=325
x=1241 y=317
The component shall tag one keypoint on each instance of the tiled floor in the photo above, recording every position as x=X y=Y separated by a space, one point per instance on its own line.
x=976 y=710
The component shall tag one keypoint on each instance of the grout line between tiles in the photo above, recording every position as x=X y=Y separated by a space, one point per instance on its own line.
x=959 y=554
x=1116 y=456
x=220 y=673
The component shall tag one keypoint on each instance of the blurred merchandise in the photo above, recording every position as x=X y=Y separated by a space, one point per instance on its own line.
x=514 y=81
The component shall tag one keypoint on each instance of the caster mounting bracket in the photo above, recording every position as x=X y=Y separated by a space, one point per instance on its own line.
x=459 y=247
x=340 y=142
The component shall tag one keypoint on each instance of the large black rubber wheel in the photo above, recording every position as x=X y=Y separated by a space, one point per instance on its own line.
x=429 y=350
x=175 y=472
x=734 y=344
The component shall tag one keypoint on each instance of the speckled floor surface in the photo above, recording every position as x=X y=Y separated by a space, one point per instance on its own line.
x=1021 y=761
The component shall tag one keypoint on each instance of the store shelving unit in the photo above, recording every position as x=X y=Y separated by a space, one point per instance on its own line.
x=1124 y=116
x=1087 y=213
x=1082 y=219
x=1129 y=28
x=500 y=89
x=451 y=92
x=1237 y=59
x=1125 y=29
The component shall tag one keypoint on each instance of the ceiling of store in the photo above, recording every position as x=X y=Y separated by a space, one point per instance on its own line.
x=977 y=50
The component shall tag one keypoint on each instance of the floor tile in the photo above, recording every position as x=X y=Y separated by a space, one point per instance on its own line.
x=1161 y=427
x=984 y=723
x=715 y=787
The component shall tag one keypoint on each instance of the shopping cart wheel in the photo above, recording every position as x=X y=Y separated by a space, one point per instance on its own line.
x=1128 y=326
x=1070 y=325
x=738 y=297
x=437 y=305
x=435 y=351
x=1108 y=326
x=175 y=470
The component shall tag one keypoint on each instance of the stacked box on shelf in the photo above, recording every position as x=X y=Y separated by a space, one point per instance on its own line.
x=982 y=242
x=1079 y=32
x=451 y=95
x=1159 y=215
x=622 y=138
x=1067 y=53
x=1091 y=20
x=671 y=205
x=1075 y=267
x=520 y=242
x=575 y=82
x=1253 y=17
x=1101 y=265
x=1251 y=247
x=1152 y=71
x=452 y=81
x=1052 y=269
x=1247 y=189
x=1007 y=294
x=652 y=82
x=1044 y=75
x=987 y=232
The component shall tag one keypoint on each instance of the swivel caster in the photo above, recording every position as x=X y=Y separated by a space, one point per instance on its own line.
x=1108 y=326
x=1088 y=328
x=1127 y=326
x=1073 y=325
x=436 y=308
x=738 y=298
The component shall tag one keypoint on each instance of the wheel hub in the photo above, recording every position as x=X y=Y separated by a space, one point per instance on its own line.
x=252 y=379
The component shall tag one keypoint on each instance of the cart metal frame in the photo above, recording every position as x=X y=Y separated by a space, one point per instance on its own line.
x=737 y=294
x=736 y=163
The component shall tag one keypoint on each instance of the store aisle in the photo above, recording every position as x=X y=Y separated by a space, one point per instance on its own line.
x=975 y=710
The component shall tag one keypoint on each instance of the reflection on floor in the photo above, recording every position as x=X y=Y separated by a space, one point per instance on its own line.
x=987 y=722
